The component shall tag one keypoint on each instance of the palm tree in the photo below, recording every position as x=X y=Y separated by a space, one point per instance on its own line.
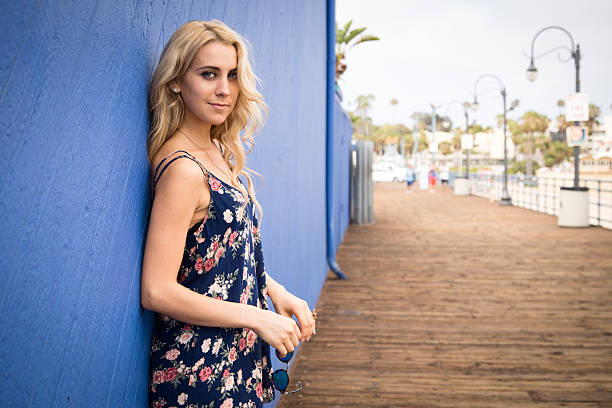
x=362 y=123
x=347 y=39
x=532 y=123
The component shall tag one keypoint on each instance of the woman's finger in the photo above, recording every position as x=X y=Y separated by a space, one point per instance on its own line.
x=306 y=323
x=282 y=350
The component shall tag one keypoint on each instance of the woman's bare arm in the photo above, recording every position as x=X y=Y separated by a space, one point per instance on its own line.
x=179 y=192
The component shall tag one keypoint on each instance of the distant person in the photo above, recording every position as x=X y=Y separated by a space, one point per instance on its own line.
x=432 y=178
x=444 y=174
x=410 y=178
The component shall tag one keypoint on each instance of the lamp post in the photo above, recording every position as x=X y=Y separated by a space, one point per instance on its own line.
x=465 y=106
x=532 y=74
x=461 y=185
x=433 y=130
x=505 y=199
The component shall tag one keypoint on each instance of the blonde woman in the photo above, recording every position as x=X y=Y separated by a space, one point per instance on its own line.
x=203 y=270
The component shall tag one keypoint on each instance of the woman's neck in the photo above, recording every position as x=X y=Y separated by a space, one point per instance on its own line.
x=197 y=131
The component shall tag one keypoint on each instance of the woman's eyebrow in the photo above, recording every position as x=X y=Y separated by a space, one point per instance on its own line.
x=212 y=68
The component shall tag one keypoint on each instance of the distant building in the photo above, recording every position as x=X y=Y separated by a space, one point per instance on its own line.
x=596 y=164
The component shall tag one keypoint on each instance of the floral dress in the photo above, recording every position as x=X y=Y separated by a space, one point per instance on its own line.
x=197 y=366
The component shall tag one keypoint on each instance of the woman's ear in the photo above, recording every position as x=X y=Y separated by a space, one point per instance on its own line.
x=176 y=88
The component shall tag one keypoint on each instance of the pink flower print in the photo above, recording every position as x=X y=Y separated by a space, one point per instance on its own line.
x=251 y=337
x=192 y=379
x=187 y=327
x=215 y=246
x=227 y=233
x=259 y=390
x=243 y=298
x=159 y=403
x=182 y=398
x=215 y=184
x=219 y=254
x=205 y=373
x=172 y=354
x=229 y=383
x=201 y=227
x=225 y=372
x=170 y=374
x=232 y=355
x=199 y=265
x=209 y=264
x=232 y=238
x=158 y=377
x=228 y=403
x=242 y=344
x=185 y=337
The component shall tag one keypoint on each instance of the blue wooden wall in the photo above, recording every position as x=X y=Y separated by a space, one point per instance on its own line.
x=342 y=134
x=73 y=181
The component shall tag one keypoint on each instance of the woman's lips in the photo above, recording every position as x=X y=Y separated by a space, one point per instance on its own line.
x=219 y=106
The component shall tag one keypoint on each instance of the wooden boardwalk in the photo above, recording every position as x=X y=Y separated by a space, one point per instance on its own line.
x=458 y=302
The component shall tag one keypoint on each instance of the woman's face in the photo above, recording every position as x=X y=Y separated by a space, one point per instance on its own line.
x=210 y=86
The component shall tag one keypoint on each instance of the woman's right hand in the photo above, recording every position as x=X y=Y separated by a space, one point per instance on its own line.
x=281 y=332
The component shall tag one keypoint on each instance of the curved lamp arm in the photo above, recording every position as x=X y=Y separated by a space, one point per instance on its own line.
x=573 y=49
x=532 y=71
x=452 y=103
x=501 y=85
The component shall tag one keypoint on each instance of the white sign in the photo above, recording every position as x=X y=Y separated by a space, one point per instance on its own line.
x=433 y=147
x=576 y=135
x=467 y=142
x=577 y=109
x=608 y=127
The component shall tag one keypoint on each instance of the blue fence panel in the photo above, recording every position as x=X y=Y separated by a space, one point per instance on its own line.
x=343 y=131
x=74 y=181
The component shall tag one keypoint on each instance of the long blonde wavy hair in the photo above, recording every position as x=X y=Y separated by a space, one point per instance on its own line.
x=167 y=108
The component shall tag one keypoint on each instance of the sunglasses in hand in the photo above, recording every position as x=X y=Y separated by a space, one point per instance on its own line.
x=280 y=378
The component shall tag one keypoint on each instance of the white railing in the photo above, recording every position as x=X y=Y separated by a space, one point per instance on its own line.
x=542 y=194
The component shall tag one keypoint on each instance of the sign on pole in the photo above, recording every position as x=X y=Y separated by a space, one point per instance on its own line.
x=467 y=142
x=577 y=108
x=576 y=135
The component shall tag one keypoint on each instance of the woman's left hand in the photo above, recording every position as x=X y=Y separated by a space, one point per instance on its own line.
x=290 y=305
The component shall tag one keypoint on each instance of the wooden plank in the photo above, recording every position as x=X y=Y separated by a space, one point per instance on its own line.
x=457 y=302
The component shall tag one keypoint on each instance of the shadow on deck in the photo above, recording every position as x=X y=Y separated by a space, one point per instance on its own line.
x=458 y=302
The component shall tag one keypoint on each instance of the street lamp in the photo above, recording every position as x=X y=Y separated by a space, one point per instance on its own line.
x=433 y=130
x=532 y=74
x=505 y=199
x=465 y=106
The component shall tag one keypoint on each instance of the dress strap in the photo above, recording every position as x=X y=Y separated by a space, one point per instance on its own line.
x=185 y=154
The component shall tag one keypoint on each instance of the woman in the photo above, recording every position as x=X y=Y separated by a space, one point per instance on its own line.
x=203 y=269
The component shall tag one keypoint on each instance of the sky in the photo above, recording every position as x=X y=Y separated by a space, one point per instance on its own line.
x=433 y=52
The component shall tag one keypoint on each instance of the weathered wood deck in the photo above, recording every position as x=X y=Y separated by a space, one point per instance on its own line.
x=458 y=302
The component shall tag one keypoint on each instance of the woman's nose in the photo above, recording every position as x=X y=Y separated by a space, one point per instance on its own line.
x=223 y=87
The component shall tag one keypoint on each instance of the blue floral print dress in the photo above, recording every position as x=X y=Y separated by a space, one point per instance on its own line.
x=197 y=366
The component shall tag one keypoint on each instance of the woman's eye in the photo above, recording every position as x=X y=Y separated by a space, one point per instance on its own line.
x=208 y=74
x=233 y=75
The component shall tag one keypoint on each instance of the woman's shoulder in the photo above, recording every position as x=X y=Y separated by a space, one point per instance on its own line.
x=174 y=161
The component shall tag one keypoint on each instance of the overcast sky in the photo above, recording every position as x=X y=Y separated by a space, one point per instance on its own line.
x=433 y=51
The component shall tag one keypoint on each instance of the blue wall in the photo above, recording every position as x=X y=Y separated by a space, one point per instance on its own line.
x=343 y=131
x=74 y=174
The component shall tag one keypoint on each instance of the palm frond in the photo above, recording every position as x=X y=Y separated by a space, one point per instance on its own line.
x=354 y=33
x=367 y=38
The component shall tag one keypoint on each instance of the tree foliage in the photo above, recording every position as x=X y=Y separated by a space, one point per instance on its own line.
x=425 y=121
x=347 y=39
